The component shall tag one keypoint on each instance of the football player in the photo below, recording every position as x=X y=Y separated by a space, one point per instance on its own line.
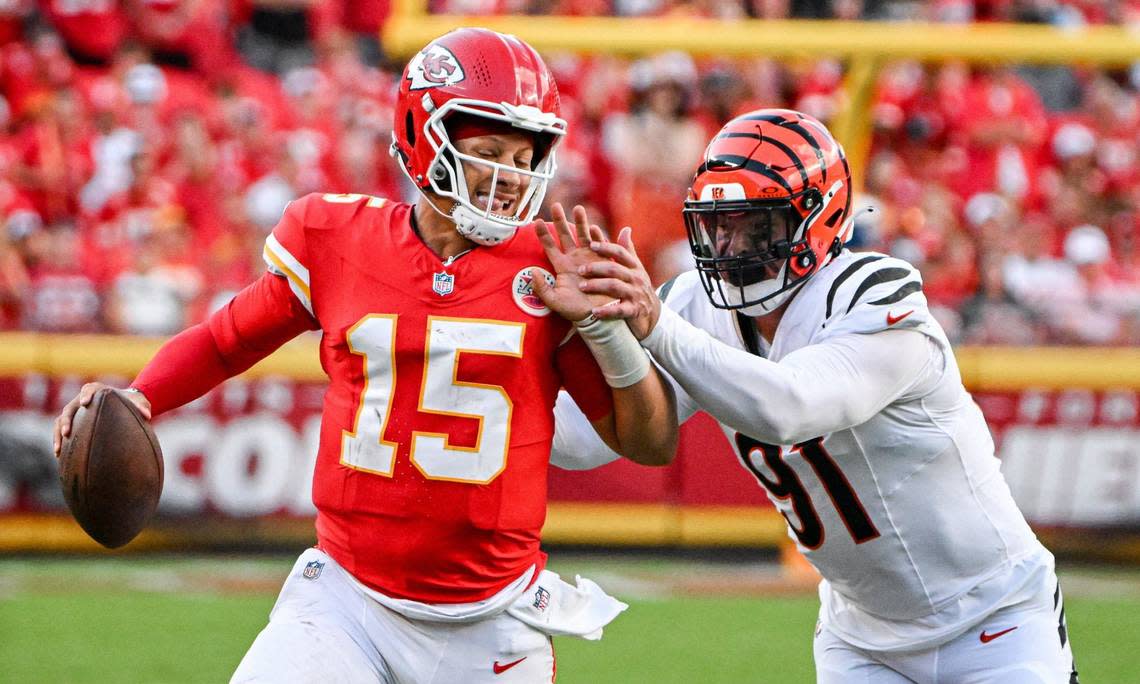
x=840 y=394
x=444 y=364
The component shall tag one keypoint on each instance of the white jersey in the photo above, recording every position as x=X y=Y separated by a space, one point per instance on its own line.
x=864 y=438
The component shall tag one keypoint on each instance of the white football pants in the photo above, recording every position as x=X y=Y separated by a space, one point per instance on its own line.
x=1025 y=643
x=324 y=629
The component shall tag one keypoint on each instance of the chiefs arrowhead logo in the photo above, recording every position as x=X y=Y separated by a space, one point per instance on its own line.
x=434 y=66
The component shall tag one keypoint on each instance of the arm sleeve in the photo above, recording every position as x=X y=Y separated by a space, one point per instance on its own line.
x=836 y=384
x=577 y=446
x=582 y=378
x=258 y=320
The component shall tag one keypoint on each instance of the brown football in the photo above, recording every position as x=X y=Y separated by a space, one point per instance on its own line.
x=110 y=468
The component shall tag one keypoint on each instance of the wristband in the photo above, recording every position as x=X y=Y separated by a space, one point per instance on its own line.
x=617 y=351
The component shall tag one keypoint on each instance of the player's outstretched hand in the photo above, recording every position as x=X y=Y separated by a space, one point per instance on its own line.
x=62 y=426
x=622 y=277
x=568 y=249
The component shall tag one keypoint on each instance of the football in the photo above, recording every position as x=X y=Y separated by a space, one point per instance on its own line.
x=110 y=468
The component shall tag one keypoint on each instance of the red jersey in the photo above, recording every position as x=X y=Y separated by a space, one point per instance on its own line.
x=430 y=480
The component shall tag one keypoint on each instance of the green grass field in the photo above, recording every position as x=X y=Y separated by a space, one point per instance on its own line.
x=191 y=619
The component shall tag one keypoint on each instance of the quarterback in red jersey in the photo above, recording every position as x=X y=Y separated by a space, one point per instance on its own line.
x=444 y=361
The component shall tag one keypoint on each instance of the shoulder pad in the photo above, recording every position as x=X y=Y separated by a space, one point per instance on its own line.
x=330 y=210
x=874 y=292
x=679 y=291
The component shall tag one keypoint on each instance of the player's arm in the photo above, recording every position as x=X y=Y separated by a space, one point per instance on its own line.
x=818 y=389
x=257 y=321
x=643 y=423
x=838 y=383
x=577 y=442
x=631 y=413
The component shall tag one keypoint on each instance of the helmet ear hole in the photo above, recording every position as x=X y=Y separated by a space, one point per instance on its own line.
x=439 y=173
x=410 y=130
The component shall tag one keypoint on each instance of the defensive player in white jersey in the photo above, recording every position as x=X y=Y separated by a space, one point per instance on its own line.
x=841 y=395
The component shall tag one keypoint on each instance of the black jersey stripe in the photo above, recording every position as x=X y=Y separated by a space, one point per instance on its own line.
x=847 y=273
x=663 y=291
x=883 y=275
x=903 y=292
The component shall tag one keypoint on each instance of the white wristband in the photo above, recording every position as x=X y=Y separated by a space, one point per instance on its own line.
x=617 y=351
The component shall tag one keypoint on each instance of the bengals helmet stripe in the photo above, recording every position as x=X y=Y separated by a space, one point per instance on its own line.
x=796 y=127
x=726 y=160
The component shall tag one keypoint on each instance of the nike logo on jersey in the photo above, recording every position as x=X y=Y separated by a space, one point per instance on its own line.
x=500 y=669
x=987 y=638
x=891 y=320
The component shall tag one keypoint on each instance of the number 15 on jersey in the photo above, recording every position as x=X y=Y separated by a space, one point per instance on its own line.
x=374 y=338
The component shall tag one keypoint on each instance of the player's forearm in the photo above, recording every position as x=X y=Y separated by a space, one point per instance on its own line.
x=578 y=444
x=185 y=368
x=257 y=321
x=811 y=392
x=645 y=420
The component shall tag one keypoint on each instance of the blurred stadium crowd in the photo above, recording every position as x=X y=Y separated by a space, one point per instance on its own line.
x=148 y=146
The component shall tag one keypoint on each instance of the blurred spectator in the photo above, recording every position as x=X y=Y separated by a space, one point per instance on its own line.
x=92 y=30
x=154 y=296
x=60 y=295
x=184 y=33
x=279 y=35
x=1003 y=125
x=55 y=155
x=14 y=14
x=656 y=147
x=723 y=95
x=114 y=112
x=1092 y=307
x=994 y=316
x=1031 y=273
x=266 y=197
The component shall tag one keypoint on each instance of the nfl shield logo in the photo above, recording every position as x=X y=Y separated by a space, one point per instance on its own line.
x=541 y=598
x=442 y=283
x=313 y=570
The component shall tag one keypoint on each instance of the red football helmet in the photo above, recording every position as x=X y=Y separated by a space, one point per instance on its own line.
x=477 y=73
x=769 y=206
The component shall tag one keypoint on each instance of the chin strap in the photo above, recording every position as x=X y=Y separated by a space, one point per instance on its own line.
x=478 y=228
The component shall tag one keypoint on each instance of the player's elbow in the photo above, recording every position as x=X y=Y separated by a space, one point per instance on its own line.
x=651 y=442
x=783 y=418
x=657 y=453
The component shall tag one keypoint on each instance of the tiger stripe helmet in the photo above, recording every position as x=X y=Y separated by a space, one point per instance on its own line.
x=769 y=206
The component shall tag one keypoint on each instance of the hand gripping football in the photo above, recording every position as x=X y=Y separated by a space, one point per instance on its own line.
x=110 y=468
